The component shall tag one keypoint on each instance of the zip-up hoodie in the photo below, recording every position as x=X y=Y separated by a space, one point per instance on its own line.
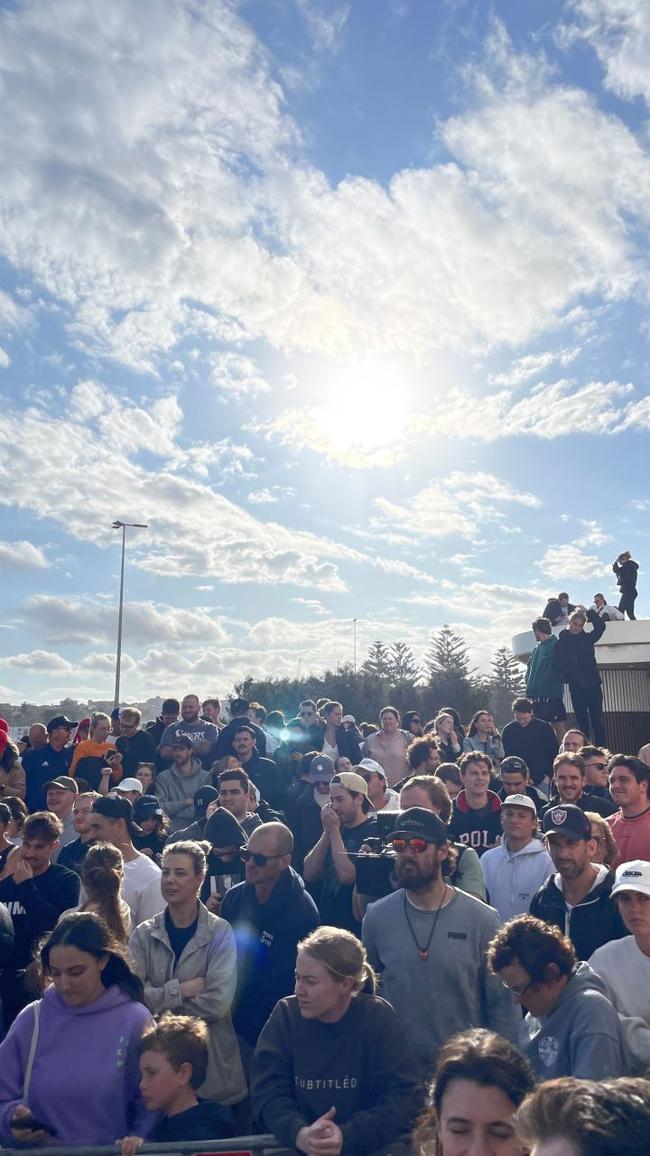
x=267 y=936
x=173 y=791
x=593 y=921
x=478 y=828
x=513 y=877
x=86 y=1077
x=581 y=1036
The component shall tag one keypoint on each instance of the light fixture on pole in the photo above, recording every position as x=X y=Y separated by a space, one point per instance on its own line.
x=123 y=526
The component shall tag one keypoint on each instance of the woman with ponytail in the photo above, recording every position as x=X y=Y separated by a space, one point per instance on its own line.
x=69 y=1065
x=333 y=1070
x=102 y=873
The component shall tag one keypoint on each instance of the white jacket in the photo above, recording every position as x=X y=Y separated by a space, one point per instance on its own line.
x=513 y=877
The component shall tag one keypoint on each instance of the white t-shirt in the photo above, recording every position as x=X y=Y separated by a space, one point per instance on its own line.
x=141 y=888
x=392 y=801
x=625 y=971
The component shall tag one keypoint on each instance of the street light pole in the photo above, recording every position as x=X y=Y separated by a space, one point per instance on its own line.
x=354 y=636
x=117 y=525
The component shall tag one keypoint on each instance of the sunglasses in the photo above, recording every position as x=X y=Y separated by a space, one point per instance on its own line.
x=599 y=766
x=256 y=858
x=417 y=846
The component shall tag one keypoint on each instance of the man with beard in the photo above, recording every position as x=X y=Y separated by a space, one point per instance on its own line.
x=578 y=898
x=428 y=942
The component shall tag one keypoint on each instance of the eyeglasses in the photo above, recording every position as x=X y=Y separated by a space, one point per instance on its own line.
x=418 y=846
x=519 y=992
x=595 y=766
x=257 y=859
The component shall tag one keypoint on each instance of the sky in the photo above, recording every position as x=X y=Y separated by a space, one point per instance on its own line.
x=348 y=301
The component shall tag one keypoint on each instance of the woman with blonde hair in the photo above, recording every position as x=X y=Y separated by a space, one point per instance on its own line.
x=333 y=1068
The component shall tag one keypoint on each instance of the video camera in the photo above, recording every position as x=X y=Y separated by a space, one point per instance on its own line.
x=375 y=868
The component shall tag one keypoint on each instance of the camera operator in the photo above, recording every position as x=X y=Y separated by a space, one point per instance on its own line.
x=375 y=863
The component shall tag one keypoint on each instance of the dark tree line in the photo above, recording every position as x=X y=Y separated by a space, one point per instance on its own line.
x=391 y=674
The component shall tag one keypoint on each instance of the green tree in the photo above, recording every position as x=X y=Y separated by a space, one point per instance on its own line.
x=451 y=681
x=402 y=668
x=505 y=682
x=377 y=661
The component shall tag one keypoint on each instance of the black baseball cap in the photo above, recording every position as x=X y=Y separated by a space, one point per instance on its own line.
x=146 y=807
x=202 y=799
x=60 y=720
x=514 y=763
x=422 y=824
x=183 y=741
x=114 y=807
x=568 y=820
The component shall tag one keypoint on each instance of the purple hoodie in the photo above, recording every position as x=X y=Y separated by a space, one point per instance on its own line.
x=86 y=1075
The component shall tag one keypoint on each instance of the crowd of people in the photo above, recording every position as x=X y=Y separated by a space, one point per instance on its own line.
x=404 y=935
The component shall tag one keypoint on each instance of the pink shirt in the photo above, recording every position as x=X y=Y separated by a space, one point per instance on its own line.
x=632 y=837
x=390 y=752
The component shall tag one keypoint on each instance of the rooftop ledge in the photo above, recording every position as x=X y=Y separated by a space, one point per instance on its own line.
x=624 y=644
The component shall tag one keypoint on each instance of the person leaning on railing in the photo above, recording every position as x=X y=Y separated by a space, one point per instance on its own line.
x=333 y=1068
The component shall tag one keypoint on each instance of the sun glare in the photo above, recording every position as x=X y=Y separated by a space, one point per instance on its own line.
x=366 y=406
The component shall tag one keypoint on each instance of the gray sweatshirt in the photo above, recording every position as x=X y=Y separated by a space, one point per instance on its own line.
x=452 y=989
x=580 y=1037
x=173 y=789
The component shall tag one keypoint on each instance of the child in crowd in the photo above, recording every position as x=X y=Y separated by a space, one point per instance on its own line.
x=173 y=1063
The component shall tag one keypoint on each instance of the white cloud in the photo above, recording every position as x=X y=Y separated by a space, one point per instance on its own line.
x=22 y=556
x=325 y=20
x=41 y=661
x=5 y=360
x=619 y=33
x=594 y=534
x=532 y=365
x=237 y=375
x=83 y=620
x=455 y=505
x=568 y=561
x=270 y=495
x=189 y=207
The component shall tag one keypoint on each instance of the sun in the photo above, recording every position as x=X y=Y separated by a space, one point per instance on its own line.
x=366 y=406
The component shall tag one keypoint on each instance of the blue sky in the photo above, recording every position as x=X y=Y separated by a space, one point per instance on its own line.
x=348 y=301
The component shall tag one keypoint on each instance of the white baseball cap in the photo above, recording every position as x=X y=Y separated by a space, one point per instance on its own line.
x=371 y=765
x=519 y=801
x=348 y=718
x=129 y=785
x=633 y=876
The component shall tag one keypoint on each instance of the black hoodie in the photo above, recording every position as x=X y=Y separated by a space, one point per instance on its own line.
x=591 y=923
x=363 y=1065
x=267 y=936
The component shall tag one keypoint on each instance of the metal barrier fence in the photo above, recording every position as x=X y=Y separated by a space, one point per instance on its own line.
x=237 y=1146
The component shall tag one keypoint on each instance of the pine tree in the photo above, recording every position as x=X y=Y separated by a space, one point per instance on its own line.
x=449 y=675
x=377 y=660
x=402 y=667
x=506 y=682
